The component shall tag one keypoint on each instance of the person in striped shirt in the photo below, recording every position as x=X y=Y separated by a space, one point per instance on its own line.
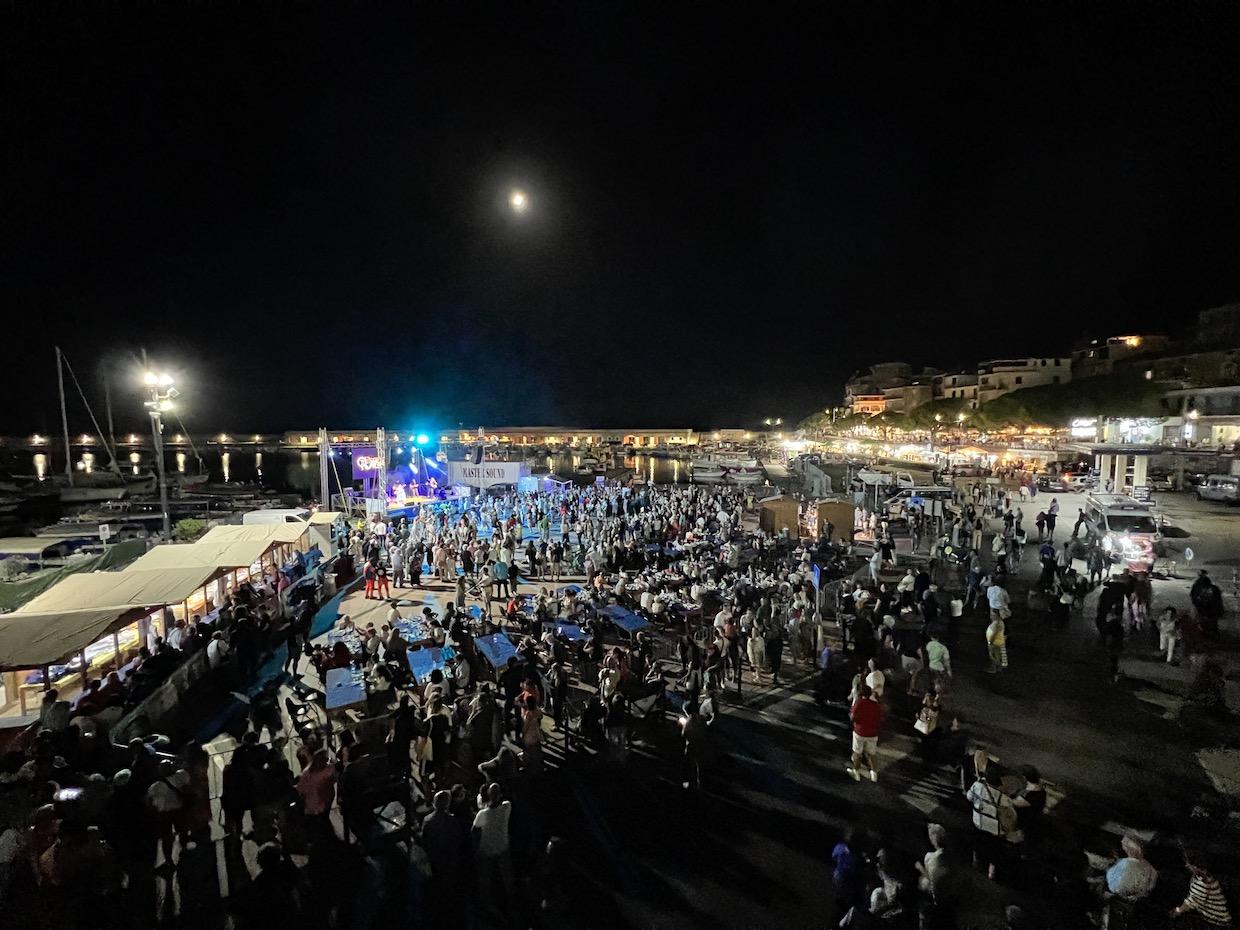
x=1205 y=896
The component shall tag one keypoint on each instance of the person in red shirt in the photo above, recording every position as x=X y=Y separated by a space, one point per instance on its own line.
x=867 y=717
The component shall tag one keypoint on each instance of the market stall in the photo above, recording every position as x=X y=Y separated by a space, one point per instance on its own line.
x=143 y=597
x=775 y=514
x=840 y=513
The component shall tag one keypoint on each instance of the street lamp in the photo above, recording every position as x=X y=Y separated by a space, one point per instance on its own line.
x=518 y=201
x=162 y=393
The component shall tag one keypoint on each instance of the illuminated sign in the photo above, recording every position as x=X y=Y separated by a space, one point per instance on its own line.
x=487 y=474
x=365 y=462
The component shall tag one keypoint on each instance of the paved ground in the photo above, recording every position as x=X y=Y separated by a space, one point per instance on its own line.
x=752 y=850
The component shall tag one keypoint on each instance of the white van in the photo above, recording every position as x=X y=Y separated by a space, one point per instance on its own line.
x=1124 y=526
x=277 y=515
x=1225 y=488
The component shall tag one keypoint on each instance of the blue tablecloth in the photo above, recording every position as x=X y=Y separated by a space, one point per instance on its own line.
x=424 y=661
x=570 y=631
x=343 y=688
x=625 y=619
x=497 y=648
x=567 y=589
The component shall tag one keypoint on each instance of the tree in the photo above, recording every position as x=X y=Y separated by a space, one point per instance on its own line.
x=1056 y=405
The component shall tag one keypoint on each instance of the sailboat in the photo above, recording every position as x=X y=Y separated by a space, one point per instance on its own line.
x=90 y=487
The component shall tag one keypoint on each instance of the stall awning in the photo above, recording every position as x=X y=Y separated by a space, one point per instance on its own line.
x=26 y=545
x=203 y=555
x=141 y=588
x=29 y=640
x=270 y=533
x=325 y=517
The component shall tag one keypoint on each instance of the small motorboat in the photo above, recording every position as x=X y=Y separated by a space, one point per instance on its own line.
x=746 y=475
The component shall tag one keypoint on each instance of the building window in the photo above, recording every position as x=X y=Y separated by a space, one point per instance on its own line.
x=1019 y=379
x=1043 y=363
x=1056 y=363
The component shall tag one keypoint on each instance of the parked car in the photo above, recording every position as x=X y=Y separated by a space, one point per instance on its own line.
x=1051 y=484
x=968 y=471
x=1223 y=488
x=1161 y=481
x=1080 y=482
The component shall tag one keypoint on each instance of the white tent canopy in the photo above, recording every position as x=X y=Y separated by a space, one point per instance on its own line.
x=207 y=555
x=269 y=533
x=29 y=640
x=98 y=590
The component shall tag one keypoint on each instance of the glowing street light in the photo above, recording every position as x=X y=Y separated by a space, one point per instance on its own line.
x=518 y=201
x=160 y=402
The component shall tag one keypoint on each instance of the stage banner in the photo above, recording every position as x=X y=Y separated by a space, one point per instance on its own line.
x=487 y=474
x=365 y=462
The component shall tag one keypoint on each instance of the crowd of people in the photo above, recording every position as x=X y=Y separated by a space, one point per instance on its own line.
x=452 y=764
x=897 y=639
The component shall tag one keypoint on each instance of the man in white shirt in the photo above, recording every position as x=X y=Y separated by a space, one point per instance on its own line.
x=723 y=617
x=217 y=650
x=876 y=679
x=490 y=836
x=1000 y=603
x=176 y=636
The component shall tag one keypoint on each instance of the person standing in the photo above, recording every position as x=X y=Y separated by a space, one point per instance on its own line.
x=444 y=838
x=1208 y=601
x=694 y=728
x=491 y=846
x=774 y=648
x=938 y=662
x=398 y=566
x=994 y=816
x=996 y=642
x=1168 y=633
x=1052 y=515
x=1113 y=642
x=999 y=600
x=558 y=681
x=867 y=716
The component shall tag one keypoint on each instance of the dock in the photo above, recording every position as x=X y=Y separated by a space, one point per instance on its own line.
x=775 y=471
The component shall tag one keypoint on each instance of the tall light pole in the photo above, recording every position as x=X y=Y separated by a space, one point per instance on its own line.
x=162 y=393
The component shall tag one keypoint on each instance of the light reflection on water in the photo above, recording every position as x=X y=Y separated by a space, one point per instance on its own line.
x=298 y=470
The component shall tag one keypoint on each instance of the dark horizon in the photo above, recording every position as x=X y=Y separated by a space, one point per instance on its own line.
x=302 y=211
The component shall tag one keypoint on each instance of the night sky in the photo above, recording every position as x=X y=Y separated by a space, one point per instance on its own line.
x=302 y=211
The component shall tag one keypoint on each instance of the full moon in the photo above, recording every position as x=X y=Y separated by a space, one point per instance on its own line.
x=518 y=201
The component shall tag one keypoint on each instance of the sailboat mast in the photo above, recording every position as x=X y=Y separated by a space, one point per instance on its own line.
x=107 y=405
x=64 y=417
